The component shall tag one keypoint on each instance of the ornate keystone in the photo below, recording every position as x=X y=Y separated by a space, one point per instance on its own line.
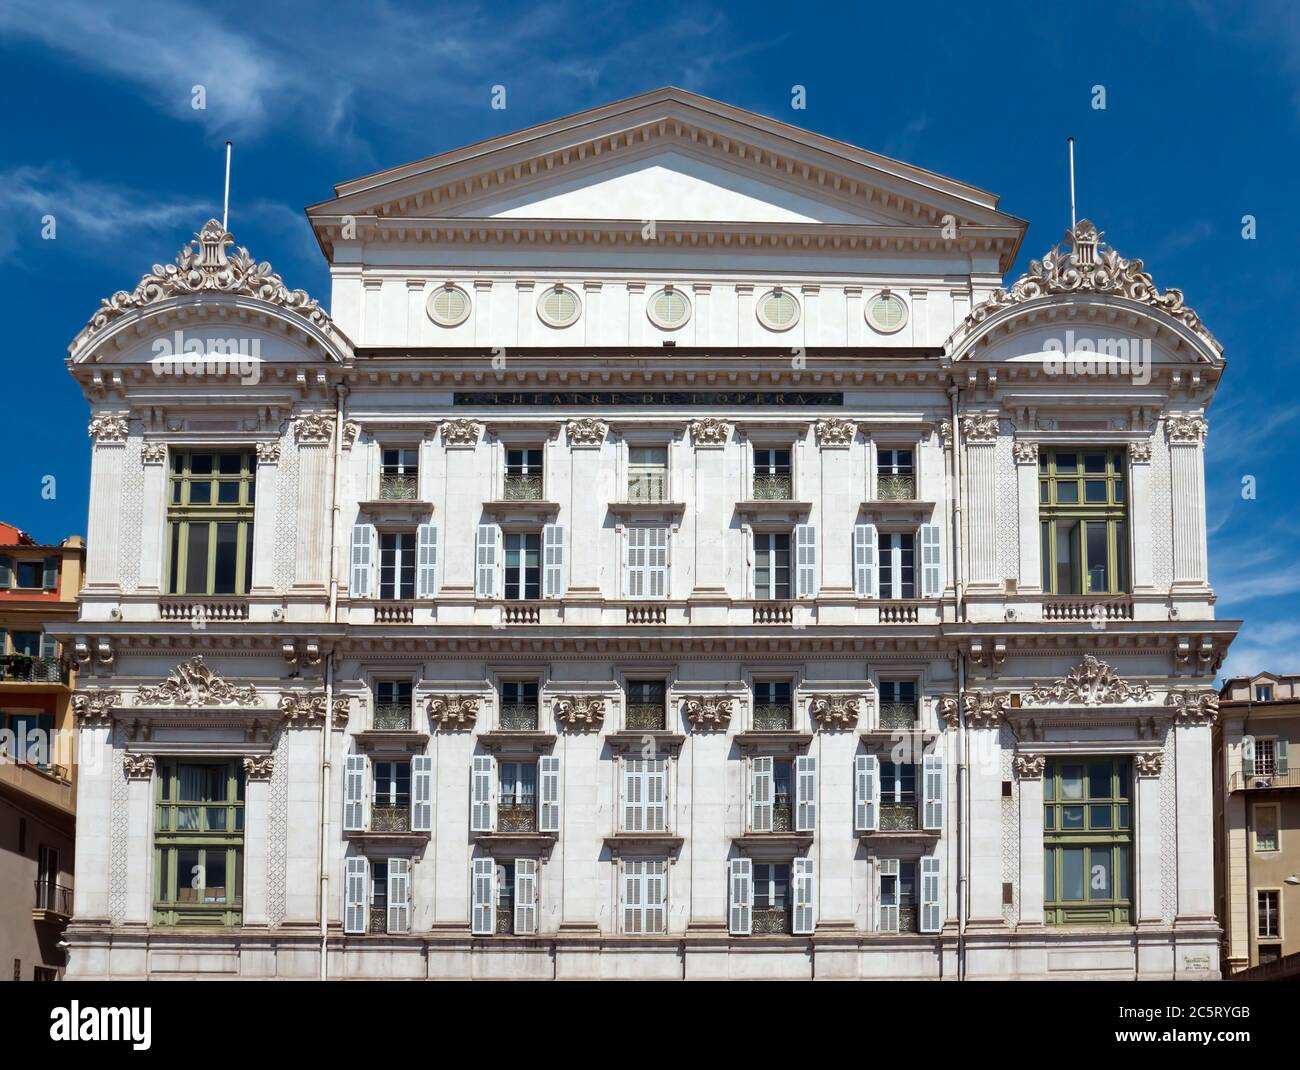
x=460 y=433
x=834 y=432
x=587 y=431
x=1090 y=683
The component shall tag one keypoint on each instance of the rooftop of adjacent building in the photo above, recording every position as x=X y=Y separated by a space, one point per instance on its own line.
x=1263 y=688
x=13 y=537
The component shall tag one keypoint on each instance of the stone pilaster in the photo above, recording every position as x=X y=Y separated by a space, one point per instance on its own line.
x=980 y=435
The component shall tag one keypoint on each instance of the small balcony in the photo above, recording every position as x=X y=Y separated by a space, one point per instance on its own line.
x=216 y=610
x=899 y=817
x=522 y=486
x=392 y=718
x=773 y=486
x=390 y=819
x=770 y=921
x=895 y=487
x=773 y=612
x=782 y=815
x=378 y=920
x=1088 y=608
x=649 y=485
x=522 y=612
x=647 y=613
x=773 y=717
x=1265 y=781
x=517 y=817
x=53 y=903
x=395 y=486
x=898 y=715
x=517 y=717
x=645 y=716
x=27 y=668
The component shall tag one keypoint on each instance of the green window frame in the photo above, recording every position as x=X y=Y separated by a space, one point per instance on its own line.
x=1083 y=521
x=210 y=503
x=198 y=844
x=1088 y=841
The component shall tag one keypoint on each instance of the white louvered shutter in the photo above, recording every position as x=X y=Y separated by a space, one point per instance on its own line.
x=1248 y=754
x=866 y=576
x=426 y=573
x=483 y=916
x=363 y=561
x=887 y=879
x=525 y=895
x=548 y=793
x=483 y=783
x=933 y=789
x=633 y=796
x=760 y=794
x=654 y=881
x=805 y=786
x=931 y=894
x=399 y=895
x=931 y=570
x=656 y=564
x=740 y=893
x=356 y=895
x=421 y=793
x=804 y=881
x=1280 y=755
x=656 y=795
x=805 y=544
x=485 y=558
x=354 y=793
x=633 y=898
x=866 y=793
x=553 y=560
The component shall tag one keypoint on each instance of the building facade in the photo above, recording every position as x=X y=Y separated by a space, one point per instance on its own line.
x=1257 y=822
x=38 y=773
x=674 y=554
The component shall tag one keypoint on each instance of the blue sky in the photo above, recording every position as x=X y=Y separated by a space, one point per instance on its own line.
x=1199 y=129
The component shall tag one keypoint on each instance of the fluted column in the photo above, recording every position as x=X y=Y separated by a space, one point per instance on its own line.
x=1147 y=820
x=712 y=505
x=588 y=492
x=1139 y=479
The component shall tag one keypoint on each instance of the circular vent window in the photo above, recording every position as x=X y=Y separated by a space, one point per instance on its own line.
x=448 y=305
x=558 y=306
x=669 y=309
x=778 y=310
x=886 y=313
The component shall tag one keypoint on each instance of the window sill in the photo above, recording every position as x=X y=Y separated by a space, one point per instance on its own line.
x=631 y=740
x=394 y=511
x=509 y=742
x=392 y=740
x=507 y=844
x=769 y=842
x=643 y=508
x=899 y=835
x=520 y=509
x=393 y=842
x=774 y=742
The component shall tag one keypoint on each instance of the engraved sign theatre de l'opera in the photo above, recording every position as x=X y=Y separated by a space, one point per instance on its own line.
x=676 y=552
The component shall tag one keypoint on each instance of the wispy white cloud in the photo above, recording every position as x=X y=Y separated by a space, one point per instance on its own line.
x=1263 y=645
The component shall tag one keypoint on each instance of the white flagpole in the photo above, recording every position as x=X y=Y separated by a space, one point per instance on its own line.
x=225 y=203
x=1073 y=221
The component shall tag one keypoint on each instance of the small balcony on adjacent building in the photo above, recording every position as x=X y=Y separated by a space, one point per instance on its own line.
x=53 y=903
x=33 y=669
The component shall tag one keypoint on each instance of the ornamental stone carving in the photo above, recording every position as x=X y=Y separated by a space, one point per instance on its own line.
x=208 y=270
x=834 y=711
x=835 y=433
x=980 y=427
x=315 y=430
x=454 y=711
x=259 y=766
x=460 y=433
x=1090 y=683
x=1024 y=452
x=580 y=711
x=351 y=430
x=945 y=433
x=268 y=452
x=707 y=712
x=1193 y=705
x=587 y=431
x=138 y=766
x=1148 y=764
x=94 y=707
x=1093 y=267
x=153 y=452
x=1029 y=766
x=1140 y=451
x=306 y=709
x=710 y=432
x=982 y=709
x=193 y=684
x=1184 y=428
x=108 y=428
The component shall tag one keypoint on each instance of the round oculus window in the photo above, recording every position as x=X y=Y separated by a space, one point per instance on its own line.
x=886 y=313
x=448 y=305
x=558 y=306
x=669 y=309
x=778 y=310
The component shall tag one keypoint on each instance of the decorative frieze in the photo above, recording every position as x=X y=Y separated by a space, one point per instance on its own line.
x=708 y=712
x=138 y=766
x=1024 y=452
x=834 y=711
x=153 y=452
x=1090 y=683
x=108 y=429
x=1029 y=766
x=835 y=433
x=1148 y=764
x=580 y=711
x=316 y=429
x=259 y=766
x=982 y=709
x=980 y=428
x=268 y=452
x=453 y=712
x=94 y=707
x=192 y=684
x=1185 y=429
x=710 y=432
x=587 y=431
x=460 y=433
x=1193 y=705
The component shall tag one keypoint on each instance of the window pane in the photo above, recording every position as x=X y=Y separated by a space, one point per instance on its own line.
x=228 y=492
x=1049 y=875
x=1094 y=490
x=1094 y=463
x=1068 y=563
x=227 y=558
x=1071 y=817
x=1099 y=817
x=189 y=875
x=196 y=560
x=1071 y=782
x=1099 y=886
x=1122 y=864
x=201 y=464
x=1098 y=558
x=1072 y=872
x=1099 y=780
x=1067 y=463
x=214 y=875
x=201 y=493
x=1067 y=493
x=1049 y=818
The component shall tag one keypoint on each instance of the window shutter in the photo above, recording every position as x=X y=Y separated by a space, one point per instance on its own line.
x=421 y=793
x=804 y=897
x=655 y=887
x=481 y=810
x=6 y=571
x=887 y=876
x=553 y=559
x=866 y=793
x=932 y=786
x=354 y=793
x=483 y=915
x=1248 y=755
x=656 y=562
x=525 y=895
x=485 y=571
x=633 y=905
x=760 y=794
x=50 y=574
x=426 y=583
x=931 y=582
x=356 y=895
x=49 y=646
x=741 y=894
x=363 y=561
x=805 y=786
x=656 y=794
x=1280 y=754
x=633 y=557
x=805 y=543
x=633 y=796
x=866 y=582
x=399 y=895
x=548 y=795
x=931 y=894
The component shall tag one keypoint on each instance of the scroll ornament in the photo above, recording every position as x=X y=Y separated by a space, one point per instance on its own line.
x=193 y=684
x=580 y=712
x=706 y=712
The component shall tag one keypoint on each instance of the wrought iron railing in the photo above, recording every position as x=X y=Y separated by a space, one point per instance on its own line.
x=505 y=919
x=647 y=486
x=32 y=669
x=520 y=817
x=770 y=920
x=892 y=487
x=1252 y=781
x=773 y=717
x=898 y=715
x=54 y=897
x=773 y=486
x=782 y=816
x=399 y=486
x=645 y=716
x=393 y=717
x=523 y=487
x=518 y=717
x=378 y=920
x=898 y=817
x=390 y=819
x=908 y=919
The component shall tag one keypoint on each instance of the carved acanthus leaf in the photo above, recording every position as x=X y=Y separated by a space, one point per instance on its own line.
x=710 y=431
x=138 y=766
x=587 y=431
x=979 y=427
x=454 y=711
x=580 y=711
x=192 y=683
x=982 y=709
x=835 y=711
x=268 y=452
x=1148 y=764
x=1193 y=705
x=108 y=427
x=705 y=712
x=834 y=432
x=460 y=433
x=153 y=452
x=315 y=429
x=94 y=707
x=1184 y=427
x=1140 y=451
x=1030 y=766
x=1024 y=452
x=259 y=766
x=1090 y=683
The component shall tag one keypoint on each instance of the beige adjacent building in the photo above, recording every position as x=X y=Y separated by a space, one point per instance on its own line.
x=1257 y=823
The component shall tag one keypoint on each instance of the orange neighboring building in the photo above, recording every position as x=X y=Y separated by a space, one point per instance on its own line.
x=38 y=587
